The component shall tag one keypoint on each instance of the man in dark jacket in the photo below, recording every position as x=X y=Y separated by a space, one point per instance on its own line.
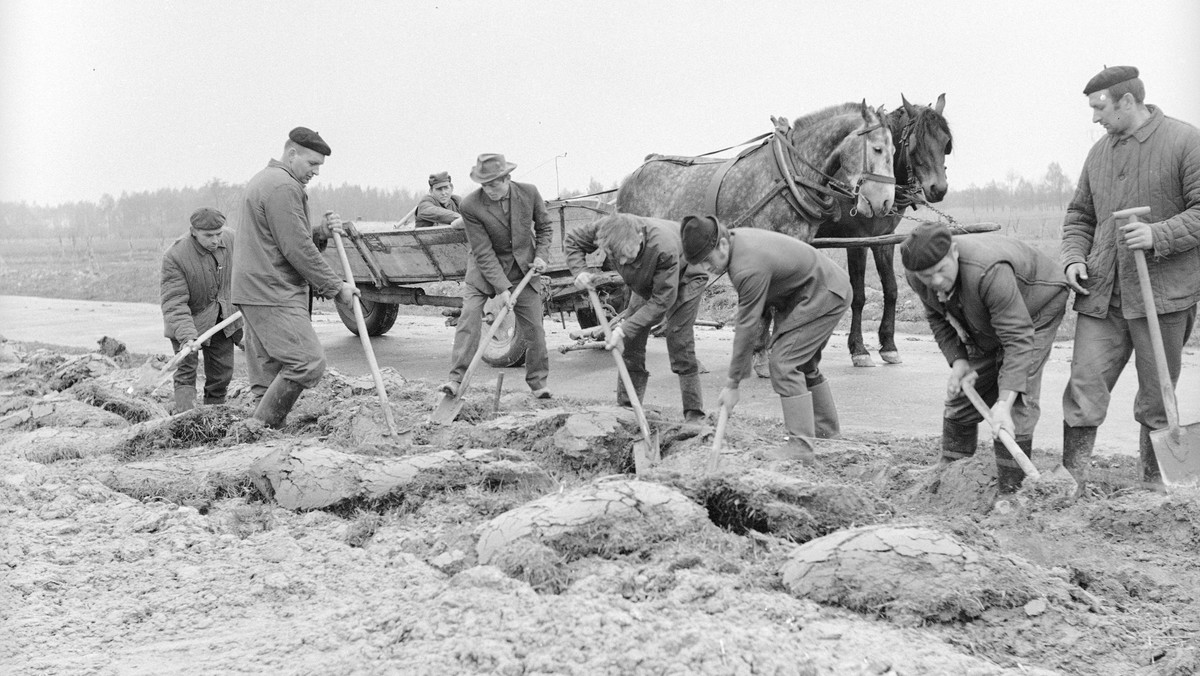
x=648 y=254
x=1146 y=159
x=994 y=304
x=195 y=298
x=509 y=231
x=274 y=265
x=441 y=206
x=809 y=294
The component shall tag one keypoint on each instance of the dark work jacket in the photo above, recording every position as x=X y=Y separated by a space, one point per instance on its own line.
x=1005 y=291
x=195 y=288
x=503 y=246
x=431 y=212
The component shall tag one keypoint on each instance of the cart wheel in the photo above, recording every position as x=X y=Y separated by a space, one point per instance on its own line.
x=379 y=317
x=507 y=347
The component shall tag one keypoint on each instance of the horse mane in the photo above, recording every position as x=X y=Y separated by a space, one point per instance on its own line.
x=805 y=121
x=930 y=122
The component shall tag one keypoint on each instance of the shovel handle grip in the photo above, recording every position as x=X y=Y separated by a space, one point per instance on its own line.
x=1005 y=438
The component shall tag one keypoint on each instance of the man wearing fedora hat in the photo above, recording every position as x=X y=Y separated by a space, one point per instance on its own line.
x=274 y=266
x=809 y=293
x=994 y=304
x=508 y=230
x=441 y=205
x=195 y=297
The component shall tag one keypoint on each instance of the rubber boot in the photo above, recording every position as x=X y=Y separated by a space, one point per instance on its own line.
x=1077 y=452
x=825 y=411
x=801 y=430
x=1009 y=474
x=281 y=396
x=958 y=440
x=185 y=399
x=1147 y=460
x=213 y=401
x=692 y=395
x=639 y=386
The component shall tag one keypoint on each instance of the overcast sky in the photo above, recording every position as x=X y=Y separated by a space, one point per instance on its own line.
x=112 y=96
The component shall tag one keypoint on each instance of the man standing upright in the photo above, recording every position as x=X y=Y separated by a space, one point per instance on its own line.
x=809 y=294
x=274 y=264
x=648 y=254
x=1146 y=159
x=508 y=230
x=195 y=298
x=441 y=205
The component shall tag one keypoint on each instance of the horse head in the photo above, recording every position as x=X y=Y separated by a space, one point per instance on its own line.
x=863 y=160
x=921 y=152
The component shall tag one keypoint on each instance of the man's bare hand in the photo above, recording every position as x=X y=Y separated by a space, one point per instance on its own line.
x=728 y=398
x=347 y=293
x=960 y=371
x=505 y=297
x=1138 y=235
x=1076 y=275
x=616 y=340
x=585 y=280
x=539 y=265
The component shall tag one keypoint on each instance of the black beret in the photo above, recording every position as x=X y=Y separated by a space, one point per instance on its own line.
x=700 y=235
x=926 y=246
x=309 y=139
x=439 y=178
x=1108 y=77
x=205 y=218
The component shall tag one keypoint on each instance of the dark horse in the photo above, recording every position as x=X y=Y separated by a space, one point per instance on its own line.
x=923 y=141
x=787 y=183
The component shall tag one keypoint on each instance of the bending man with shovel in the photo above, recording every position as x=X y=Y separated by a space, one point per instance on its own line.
x=994 y=304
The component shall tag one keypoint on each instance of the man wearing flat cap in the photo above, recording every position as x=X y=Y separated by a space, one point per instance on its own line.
x=441 y=205
x=1146 y=160
x=508 y=230
x=994 y=304
x=195 y=298
x=274 y=266
x=809 y=294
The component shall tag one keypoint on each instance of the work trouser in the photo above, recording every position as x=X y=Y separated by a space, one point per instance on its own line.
x=218 y=366
x=281 y=341
x=1103 y=348
x=796 y=354
x=679 y=325
x=527 y=309
x=1027 y=408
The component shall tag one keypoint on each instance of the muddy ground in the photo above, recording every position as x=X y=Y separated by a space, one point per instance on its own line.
x=517 y=540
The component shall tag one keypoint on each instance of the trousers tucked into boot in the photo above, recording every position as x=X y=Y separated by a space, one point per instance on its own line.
x=1009 y=474
x=278 y=401
x=639 y=386
x=692 y=394
x=825 y=412
x=958 y=440
x=801 y=429
x=1147 y=460
x=185 y=398
x=1077 y=451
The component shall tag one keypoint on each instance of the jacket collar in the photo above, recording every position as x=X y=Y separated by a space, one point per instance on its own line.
x=1143 y=132
x=201 y=250
x=286 y=168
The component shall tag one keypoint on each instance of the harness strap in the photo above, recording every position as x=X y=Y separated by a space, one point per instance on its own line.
x=805 y=203
x=714 y=183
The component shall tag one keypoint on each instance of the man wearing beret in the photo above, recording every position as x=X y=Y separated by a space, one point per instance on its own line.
x=195 y=298
x=1146 y=159
x=508 y=230
x=441 y=205
x=648 y=254
x=274 y=265
x=809 y=294
x=994 y=304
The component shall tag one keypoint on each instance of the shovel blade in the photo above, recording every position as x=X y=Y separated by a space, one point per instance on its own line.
x=1178 y=454
x=447 y=410
x=641 y=457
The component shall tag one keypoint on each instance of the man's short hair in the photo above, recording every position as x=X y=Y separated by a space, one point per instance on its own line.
x=1133 y=86
x=615 y=231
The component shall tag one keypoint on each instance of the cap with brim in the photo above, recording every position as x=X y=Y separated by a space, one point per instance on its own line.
x=440 y=178
x=926 y=246
x=206 y=218
x=699 y=235
x=1109 y=77
x=309 y=139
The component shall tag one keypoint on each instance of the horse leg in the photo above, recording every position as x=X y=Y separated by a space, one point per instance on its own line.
x=856 y=265
x=884 y=259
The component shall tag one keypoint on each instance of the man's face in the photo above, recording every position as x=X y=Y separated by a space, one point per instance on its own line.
x=627 y=251
x=304 y=163
x=941 y=277
x=1114 y=116
x=442 y=193
x=497 y=188
x=209 y=239
x=718 y=259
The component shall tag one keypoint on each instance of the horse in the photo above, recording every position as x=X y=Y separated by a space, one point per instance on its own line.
x=924 y=140
x=788 y=183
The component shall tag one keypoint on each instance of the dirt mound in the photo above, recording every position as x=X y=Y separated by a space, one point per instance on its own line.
x=1171 y=521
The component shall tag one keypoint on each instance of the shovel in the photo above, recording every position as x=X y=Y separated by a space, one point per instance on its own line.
x=643 y=451
x=714 y=456
x=450 y=404
x=365 y=338
x=150 y=379
x=1176 y=448
x=1061 y=477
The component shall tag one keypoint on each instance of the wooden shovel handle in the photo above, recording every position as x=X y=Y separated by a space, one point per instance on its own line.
x=487 y=337
x=1005 y=437
x=628 y=382
x=714 y=456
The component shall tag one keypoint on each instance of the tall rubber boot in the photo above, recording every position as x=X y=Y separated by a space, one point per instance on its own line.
x=692 y=395
x=801 y=430
x=213 y=401
x=281 y=396
x=639 y=386
x=185 y=398
x=958 y=440
x=1147 y=460
x=825 y=411
x=1077 y=452
x=1009 y=474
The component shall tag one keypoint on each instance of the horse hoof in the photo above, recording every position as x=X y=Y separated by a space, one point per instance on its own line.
x=862 y=360
x=891 y=357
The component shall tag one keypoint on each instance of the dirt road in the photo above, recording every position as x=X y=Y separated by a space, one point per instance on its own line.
x=902 y=399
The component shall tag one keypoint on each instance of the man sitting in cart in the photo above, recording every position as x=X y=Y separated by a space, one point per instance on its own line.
x=441 y=205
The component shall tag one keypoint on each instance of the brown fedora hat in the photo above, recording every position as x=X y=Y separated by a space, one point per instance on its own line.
x=491 y=166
